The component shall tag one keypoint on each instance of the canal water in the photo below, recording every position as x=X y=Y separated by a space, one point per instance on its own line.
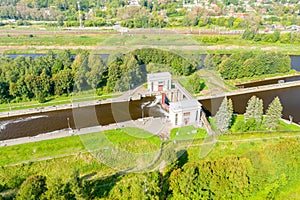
x=289 y=97
x=103 y=114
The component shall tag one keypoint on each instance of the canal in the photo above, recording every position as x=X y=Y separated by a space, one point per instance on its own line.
x=289 y=98
x=103 y=114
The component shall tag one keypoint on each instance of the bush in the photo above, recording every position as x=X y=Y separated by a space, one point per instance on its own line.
x=32 y=188
x=196 y=82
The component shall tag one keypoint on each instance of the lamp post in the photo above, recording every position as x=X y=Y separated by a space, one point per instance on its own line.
x=68 y=119
x=143 y=111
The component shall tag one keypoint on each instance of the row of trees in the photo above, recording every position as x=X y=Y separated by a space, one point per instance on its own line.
x=23 y=79
x=131 y=70
x=276 y=36
x=253 y=117
x=248 y=64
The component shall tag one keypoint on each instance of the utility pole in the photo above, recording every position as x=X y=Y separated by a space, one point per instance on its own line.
x=79 y=15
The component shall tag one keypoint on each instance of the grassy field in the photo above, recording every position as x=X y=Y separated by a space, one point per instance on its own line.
x=176 y=42
x=37 y=150
x=128 y=139
x=53 y=40
x=187 y=133
x=282 y=127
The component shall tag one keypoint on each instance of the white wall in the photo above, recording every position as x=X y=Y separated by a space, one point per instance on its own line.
x=167 y=85
x=181 y=121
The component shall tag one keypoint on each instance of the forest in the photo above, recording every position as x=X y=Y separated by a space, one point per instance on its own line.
x=248 y=64
x=25 y=79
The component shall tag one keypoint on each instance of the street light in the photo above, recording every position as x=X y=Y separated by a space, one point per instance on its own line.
x=143 y=111
x=68 y=119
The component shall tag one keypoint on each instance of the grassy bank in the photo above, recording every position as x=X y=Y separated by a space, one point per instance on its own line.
x=128 y=139
x=133 y=140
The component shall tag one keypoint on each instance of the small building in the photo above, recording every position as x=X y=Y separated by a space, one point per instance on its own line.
x=184 y=113
x=159 y=82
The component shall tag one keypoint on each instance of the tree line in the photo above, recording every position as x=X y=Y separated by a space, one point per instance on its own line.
x=248 y=64
x=275 y=37
x=254 y=120
x=25 y=79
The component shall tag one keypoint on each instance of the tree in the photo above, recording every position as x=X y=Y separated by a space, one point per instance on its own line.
x=137 y=186
x=63 y=82
x=208 y=61
x=196 y=82
x=224 y=115
x=32 y=188
x=96 y=68
x=254 y=110
x=78 y=186
x=273 y=114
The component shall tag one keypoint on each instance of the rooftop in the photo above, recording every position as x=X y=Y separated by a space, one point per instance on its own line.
x=162 y=75
x=185 y=105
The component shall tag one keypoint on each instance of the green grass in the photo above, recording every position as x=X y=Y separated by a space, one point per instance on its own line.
x=292 y=191
x=187 y=133
x=53 y=40
x=128 y=139
x=129 y=41
x=164 y=40
x=282 y=126
x=31 y=151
